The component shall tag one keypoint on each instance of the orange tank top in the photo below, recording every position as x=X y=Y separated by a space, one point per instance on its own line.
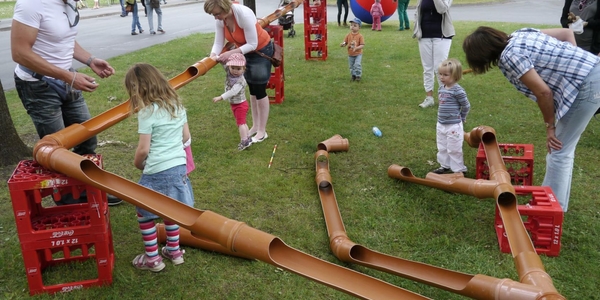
x=238 y=37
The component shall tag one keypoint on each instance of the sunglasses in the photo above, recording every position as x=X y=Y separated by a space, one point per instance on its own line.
x=72 y=15
x=582 y=4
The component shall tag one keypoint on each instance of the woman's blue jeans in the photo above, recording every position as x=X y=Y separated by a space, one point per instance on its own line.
x=559 y=163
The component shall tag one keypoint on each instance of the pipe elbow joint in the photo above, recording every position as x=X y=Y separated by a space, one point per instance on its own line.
x=341 y=247
x=43 y=150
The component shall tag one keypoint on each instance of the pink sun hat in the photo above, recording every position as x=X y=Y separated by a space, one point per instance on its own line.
x=236 y=59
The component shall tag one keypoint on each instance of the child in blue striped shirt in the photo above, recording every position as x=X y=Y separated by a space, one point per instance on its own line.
x=452 y=114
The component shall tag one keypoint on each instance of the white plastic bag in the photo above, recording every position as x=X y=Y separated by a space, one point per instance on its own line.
x=577 y=26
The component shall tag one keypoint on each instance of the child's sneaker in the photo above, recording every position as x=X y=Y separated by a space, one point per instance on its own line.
x=442 y=170
x=244 y=144
x=176 y=258
x=141 y=262
x=427 y=102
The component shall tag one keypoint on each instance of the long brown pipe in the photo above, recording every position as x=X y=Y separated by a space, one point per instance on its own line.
x=234 y=236
x=77 y=133
x=477 y=287
x=528 y=263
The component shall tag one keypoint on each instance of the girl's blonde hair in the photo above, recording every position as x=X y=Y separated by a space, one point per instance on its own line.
x=454 y=66
x=146 y=86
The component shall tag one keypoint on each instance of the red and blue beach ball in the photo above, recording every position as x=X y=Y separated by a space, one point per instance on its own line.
x=361 y=9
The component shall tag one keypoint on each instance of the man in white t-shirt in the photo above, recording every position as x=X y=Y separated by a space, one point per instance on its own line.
x=43 y=45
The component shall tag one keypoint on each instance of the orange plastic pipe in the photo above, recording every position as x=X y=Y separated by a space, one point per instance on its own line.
x=528 y=263
x=233 y=237
x=186 y=238
x=477 y=287
x=77 y=133
x=279 y=12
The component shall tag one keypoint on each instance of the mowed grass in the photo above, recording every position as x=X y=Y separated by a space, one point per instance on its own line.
x=397 y=218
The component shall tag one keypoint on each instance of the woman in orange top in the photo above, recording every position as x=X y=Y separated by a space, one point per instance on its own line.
x=237 y=23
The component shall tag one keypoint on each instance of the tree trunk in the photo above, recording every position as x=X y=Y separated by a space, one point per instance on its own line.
x=251 y=4
x=12 y=148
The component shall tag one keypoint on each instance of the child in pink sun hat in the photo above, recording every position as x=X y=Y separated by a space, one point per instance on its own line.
x=235 y=94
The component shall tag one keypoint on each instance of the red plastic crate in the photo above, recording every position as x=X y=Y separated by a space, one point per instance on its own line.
x=78 y=231
x=518 y=159
x=276 y=84
x=276 y=81
x=38 y=255
x=315 y=33
x=30 y=183
x=542 y=217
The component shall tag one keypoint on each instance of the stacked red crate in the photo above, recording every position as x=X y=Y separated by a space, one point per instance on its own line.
x=52 y=235
x=518 y=159
x=315 y=30
x=542 y=217
x=276 y=82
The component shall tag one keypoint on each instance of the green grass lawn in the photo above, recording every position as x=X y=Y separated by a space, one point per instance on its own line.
x=401 y=219
x=6 y=9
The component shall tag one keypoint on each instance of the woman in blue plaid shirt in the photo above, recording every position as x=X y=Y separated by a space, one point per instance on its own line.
x=564 y=80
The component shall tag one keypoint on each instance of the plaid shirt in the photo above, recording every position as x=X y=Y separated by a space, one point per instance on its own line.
x=562 y=66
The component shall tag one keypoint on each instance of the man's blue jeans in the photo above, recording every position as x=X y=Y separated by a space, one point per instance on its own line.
x=50 y=113
x=150 y=11
x=123 y=12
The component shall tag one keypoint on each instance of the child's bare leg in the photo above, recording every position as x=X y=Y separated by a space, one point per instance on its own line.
x=243 y=129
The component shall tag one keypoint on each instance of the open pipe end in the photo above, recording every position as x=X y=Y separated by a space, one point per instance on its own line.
x=476 y=135
x=192 y=71
x=488 y=136
x=204 y=65
x=324 y=185
x=323 y=179
x=507 y=199
x=334 y=143
x=322 y=156
x=359 y=253
x=396 y=171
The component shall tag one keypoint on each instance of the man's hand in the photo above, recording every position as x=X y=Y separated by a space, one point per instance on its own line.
x=101 y=67
x=83 y=82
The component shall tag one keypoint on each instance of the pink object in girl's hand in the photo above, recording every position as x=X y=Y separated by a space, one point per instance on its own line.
x=189 y=159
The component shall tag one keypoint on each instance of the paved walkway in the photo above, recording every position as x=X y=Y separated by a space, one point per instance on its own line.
x=521 y=11
x=104 y=10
